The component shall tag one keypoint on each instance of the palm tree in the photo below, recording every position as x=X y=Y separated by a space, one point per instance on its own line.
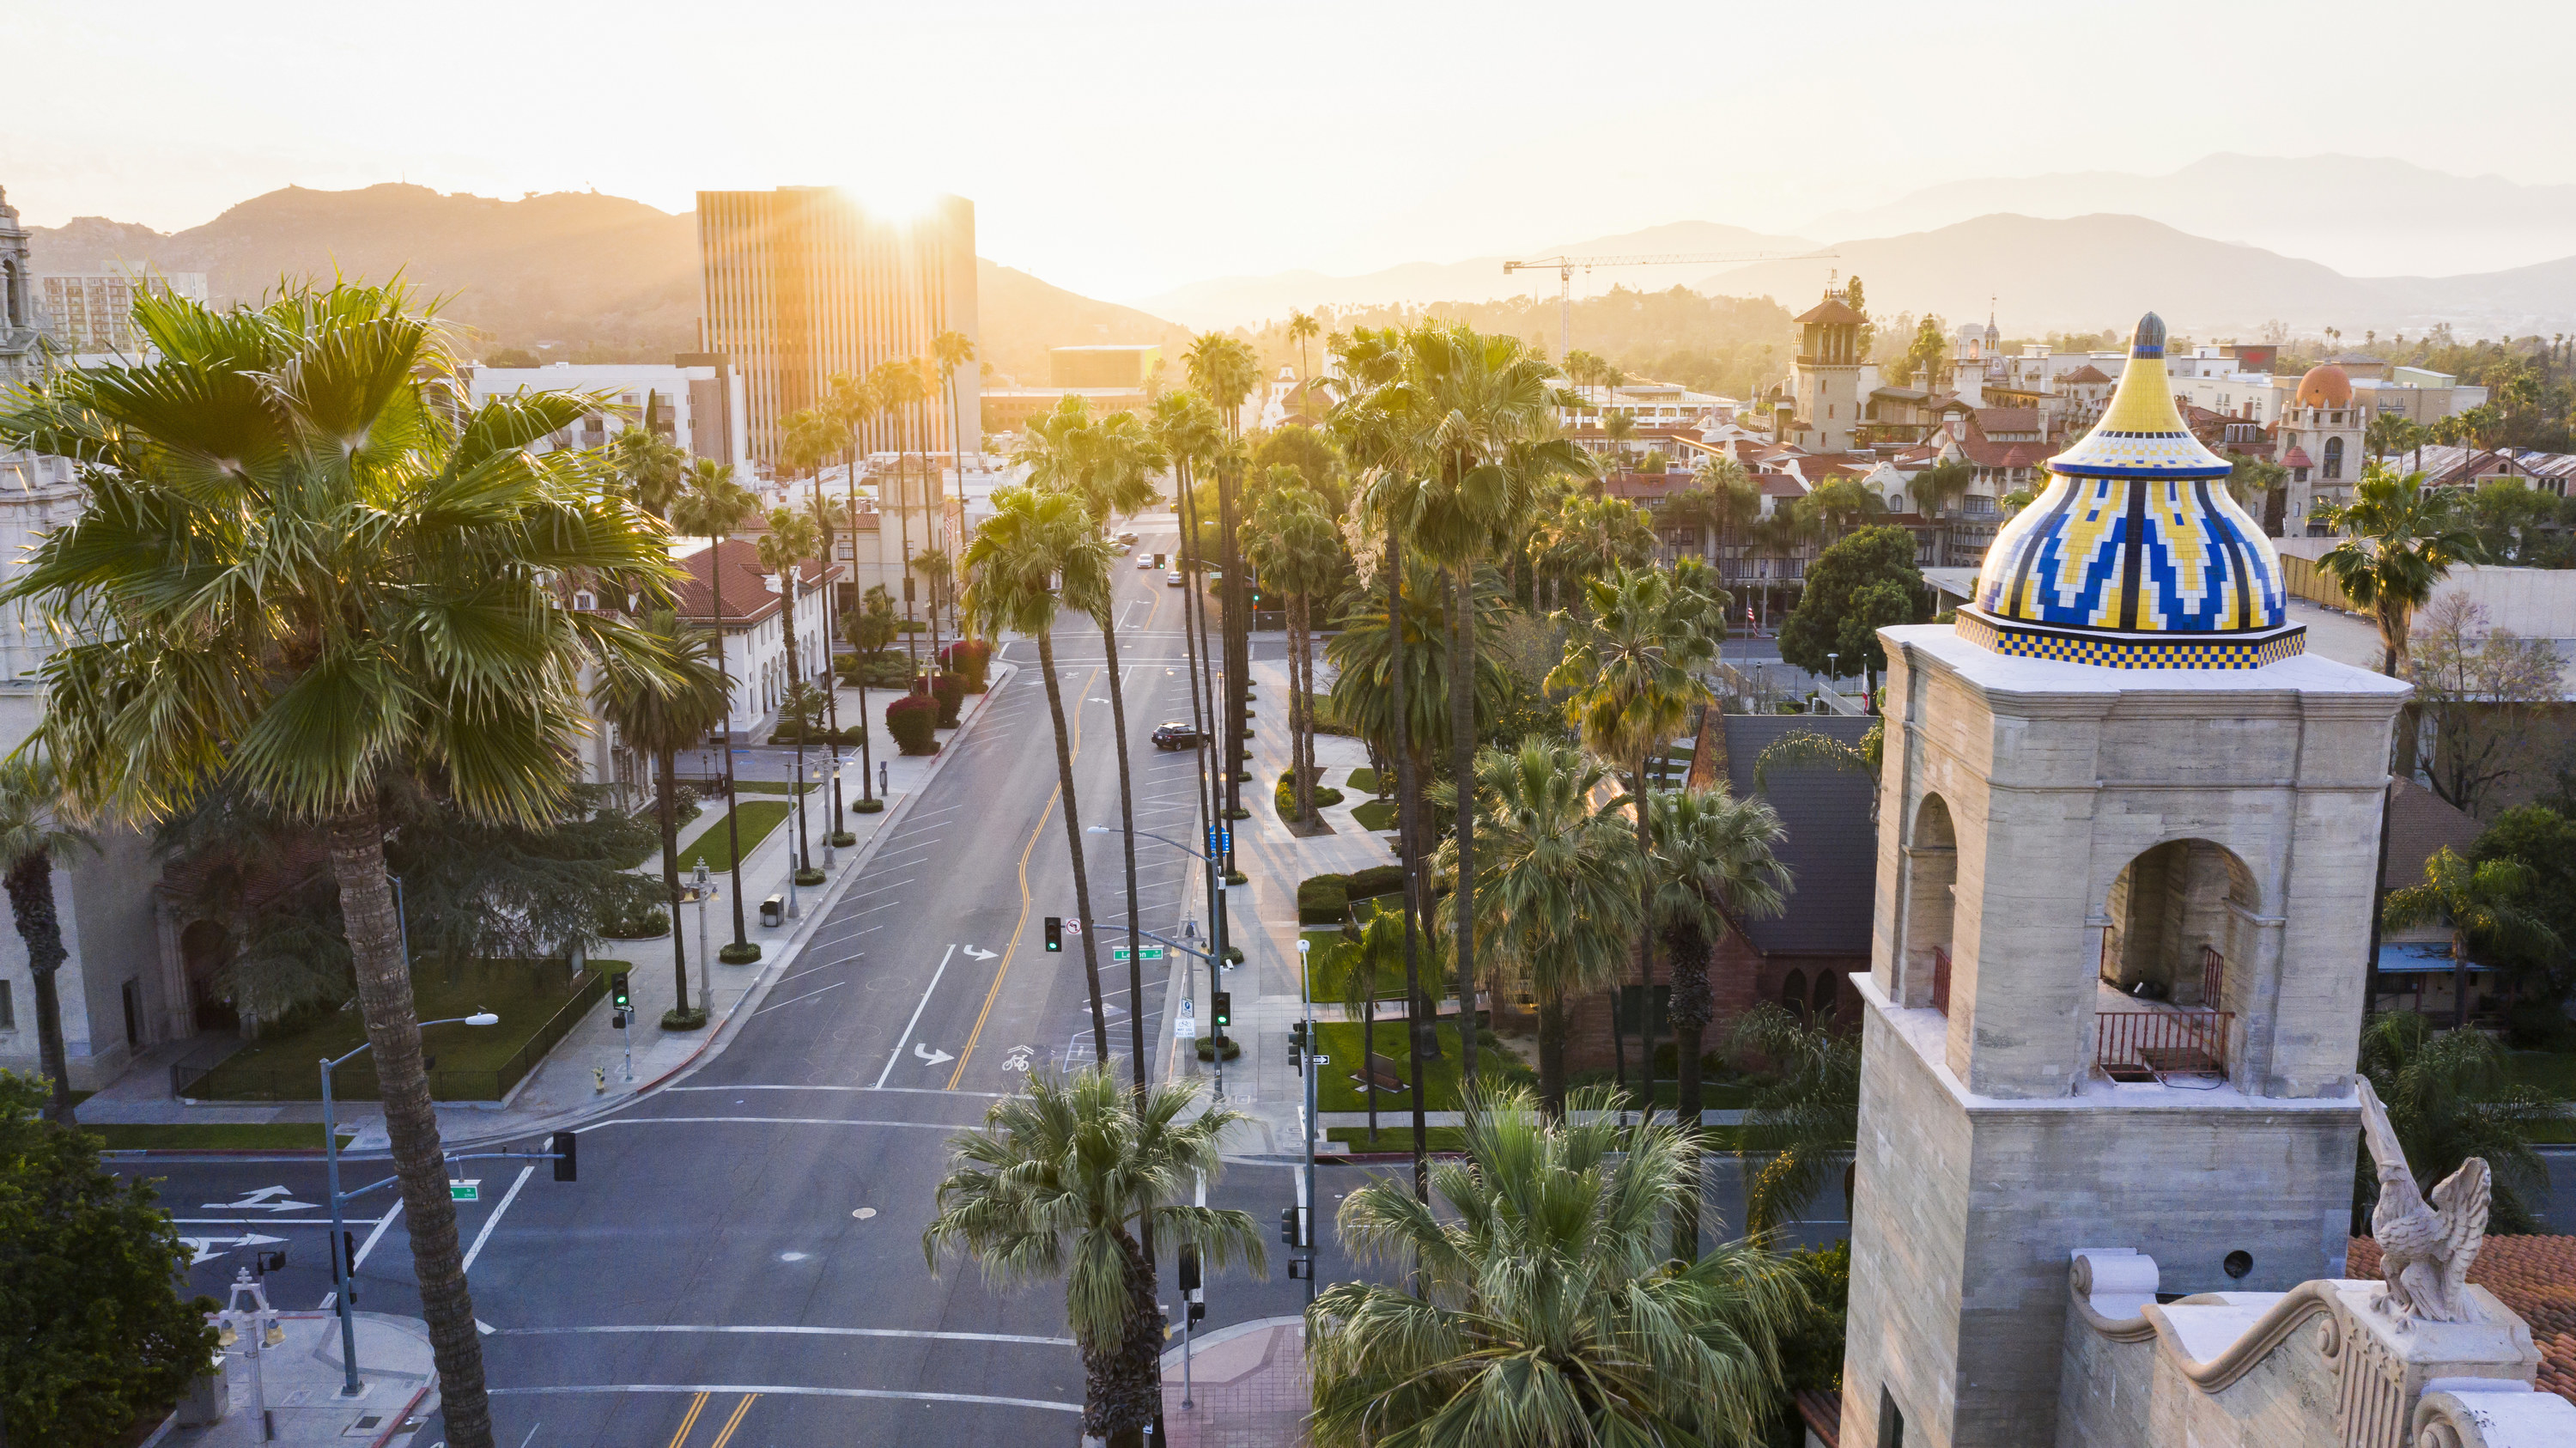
x=1803 y=1124
x=1297 y=551
x=1109 y=469
x=871 y=627
x=362 y=577
x=948 y=352
x=1560 y=901
x=1542 y=1309
x=1226 y=370
x=1711 y=865
x=1184 y=431
x=2452 y=1095
x=713 y=507
x=1072 y=1179
x=650 y=464
x=895 y=385
x=1629 y=681
x=1302 y=329
x=824 y=519
x=1618 y=428
x=1937 y=489
x=32 y=837
x=2402 y=538
x=1380 y=947
x=782 y=550
x=2484 y=900
x=1806 y=749
x=662 y=712
x=1032 y=539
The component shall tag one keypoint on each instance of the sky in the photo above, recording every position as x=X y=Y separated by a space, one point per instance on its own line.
x=1121 y=149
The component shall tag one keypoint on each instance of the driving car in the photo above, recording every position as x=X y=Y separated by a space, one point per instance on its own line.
x=1144 y=561
x=1127 y=538
x=1178 y=734
x=1172 y=579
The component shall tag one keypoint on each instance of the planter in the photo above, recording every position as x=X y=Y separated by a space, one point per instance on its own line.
x=684 y=1019
x=842 y=839
x=810 y=877
x=866 y=806
x=1208 y=1048
x=744 y=954
x=1236 y=877
x=1234 y=953
x=1238 y=814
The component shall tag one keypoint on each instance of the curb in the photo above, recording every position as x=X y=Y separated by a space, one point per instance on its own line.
x=719 y=1034
x=1172 y=1356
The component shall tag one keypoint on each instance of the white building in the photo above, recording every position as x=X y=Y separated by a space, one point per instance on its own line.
x=93 y=312
x=762 y=654
x=699 y=402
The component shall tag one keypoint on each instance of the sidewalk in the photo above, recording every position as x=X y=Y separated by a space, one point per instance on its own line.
x=587 y=1070
x=1248 y=1387
x=300 y=1380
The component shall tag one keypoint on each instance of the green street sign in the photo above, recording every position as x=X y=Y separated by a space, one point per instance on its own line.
x=1151 y=952
x=469 y=1190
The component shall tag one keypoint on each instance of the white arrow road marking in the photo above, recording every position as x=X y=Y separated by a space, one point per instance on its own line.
x=981 y=954
x=921 y=1051
x=260 y=1201
x=916 y=1015
x=207 y=1248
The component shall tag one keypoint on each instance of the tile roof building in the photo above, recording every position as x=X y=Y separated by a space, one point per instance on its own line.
x=762 y=653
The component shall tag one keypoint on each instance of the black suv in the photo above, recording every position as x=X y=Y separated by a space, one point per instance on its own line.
x=1179 y=734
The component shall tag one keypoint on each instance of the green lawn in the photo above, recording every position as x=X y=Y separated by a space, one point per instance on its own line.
x=1364 y=780
x=1377 y=814
x=2553 y=1071
x=525 y=995
x=1396 y=1134
x=213 y=1136
x=1341 y=1041
x=758 y=818
x=771 y=786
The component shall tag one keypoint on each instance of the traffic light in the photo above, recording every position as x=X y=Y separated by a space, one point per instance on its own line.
x=1188 y=1274
x=617 y=995
x=1055 y=934
x=1297 y=1047
x=562 y=1145
x=1158 y=561
x=1224 y=1011
x=1292 y=1227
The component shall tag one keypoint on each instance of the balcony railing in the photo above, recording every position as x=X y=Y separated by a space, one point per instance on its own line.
x=1941 y=979
x=2152 y=1045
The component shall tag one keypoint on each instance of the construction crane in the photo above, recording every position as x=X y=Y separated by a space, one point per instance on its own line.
x=1565 y=266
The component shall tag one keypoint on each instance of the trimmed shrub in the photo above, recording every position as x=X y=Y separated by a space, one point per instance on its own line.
x=913 y=720
x=1284 y=797
x=810 y=877
x=747 y=953
x=867 y=806
x=684 y=1018
x=885 y=669
x=1323 y=899
x=1376 y=880
x=635 y=919
x=950 y=691
x=971 y=659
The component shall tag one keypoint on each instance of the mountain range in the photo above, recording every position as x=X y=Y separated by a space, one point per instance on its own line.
x=574 y=273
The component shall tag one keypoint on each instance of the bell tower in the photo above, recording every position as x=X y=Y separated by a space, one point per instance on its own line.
x=1825 y=380
x=2126 y=858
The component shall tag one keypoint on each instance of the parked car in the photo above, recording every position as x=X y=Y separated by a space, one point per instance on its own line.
x=1178 y=734
x=1172 y=579
x=1127 y=538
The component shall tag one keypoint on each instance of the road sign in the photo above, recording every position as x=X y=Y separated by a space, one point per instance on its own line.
x=1072 y=926
x=468 y=1190
x=1151 y=952
x=1185 y=1027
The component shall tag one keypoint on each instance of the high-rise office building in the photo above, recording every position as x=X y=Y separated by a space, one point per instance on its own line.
x=806 y=282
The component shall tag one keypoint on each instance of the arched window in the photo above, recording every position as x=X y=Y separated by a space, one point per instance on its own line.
x=2334 y=457
x=1793 y=994
x=1826 y=984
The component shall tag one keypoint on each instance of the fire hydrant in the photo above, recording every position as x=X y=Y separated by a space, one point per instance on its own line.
x=599 y=1080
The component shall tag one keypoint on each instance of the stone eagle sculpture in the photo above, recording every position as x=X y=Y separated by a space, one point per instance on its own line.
x=2425 y=1249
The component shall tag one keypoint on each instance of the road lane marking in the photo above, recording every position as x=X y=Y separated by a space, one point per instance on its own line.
x=494 y=1220
x=792 y=1330
x=1003 y=971
x=691 y=1421
x=800 y=975
x=735 y=1421
x=977 y=1399
x=916 y=1015
x=807 y=996
x=909 y=1090
x=374 y=1237
x=762 y=1121
x=272 y=1221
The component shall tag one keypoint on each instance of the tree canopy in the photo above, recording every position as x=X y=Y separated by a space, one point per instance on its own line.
x=1856 y=587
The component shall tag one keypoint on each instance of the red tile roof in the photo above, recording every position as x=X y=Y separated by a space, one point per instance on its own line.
x=1831 y=312
x=2298 y=458
x=747 y=598
x=2008 y=419
x=2086 y=374
x=2536 y=1277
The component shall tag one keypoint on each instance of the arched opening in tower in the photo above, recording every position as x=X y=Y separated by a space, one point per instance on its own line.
x=1931 y=871
x=2173 y=935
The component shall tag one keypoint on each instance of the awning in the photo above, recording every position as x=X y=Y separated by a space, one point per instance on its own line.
x=2400 y=957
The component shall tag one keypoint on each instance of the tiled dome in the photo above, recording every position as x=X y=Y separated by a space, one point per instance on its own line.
x=2135 y=556
x=2326 y=385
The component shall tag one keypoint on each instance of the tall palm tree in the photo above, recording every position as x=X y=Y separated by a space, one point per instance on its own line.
x=791 y=538
x=1542 y=1309
x=2484 y=900
x=1560 y=900
x=1109 y=469
x=1033 y=539
x=1939 y=488
x=1072 y=1178
x=1711 y=864
x=1298 y=552
x=714 y=507
x=32 y=837
x=1226 y=371
x=1629 y=681
x=825 y=519
x=1303 y=329
x=651 y=465
x=362 y=575
x=662 y=712
x=1380 y=948
x=2403 y=537
x=871 y=627
x=896 y=385
x=948 y=352
x=1184 y=430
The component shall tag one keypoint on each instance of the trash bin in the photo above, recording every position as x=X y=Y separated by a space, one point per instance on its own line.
x=209 y=1397
x=773 y=911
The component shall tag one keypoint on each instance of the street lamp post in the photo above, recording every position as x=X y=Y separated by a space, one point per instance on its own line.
x=702 y=888
x=342 y=1270
x=1216 y=938
x=1314 y=1066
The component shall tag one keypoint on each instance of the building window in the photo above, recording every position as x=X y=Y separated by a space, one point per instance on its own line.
x=2334 y=458
x=8 y=1009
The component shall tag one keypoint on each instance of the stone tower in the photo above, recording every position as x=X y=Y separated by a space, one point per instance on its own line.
x=1825 y=380
x=2126 y=857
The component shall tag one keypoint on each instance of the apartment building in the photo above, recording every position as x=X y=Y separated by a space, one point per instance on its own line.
x=699 y=401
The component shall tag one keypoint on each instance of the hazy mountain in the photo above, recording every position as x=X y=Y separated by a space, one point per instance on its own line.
x=598 y=276
x=1247 y=301
x=2088 y=273
x=2364 y=216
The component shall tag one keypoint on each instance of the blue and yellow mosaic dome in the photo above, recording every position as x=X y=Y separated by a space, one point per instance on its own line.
x=2135 y=556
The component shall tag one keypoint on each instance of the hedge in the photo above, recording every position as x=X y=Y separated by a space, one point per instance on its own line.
x=950 y=691
x=1376 y=880
x=972 y=659
x=1322 y=900
x=1284 y=797
x=913 y=720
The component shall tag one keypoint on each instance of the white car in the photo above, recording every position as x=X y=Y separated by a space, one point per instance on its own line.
x=1172 y=579
x=1144 y=561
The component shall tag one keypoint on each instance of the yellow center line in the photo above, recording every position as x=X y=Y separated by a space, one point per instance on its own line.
x=697 y=1405
x=1022 y=923
x=735 y=1421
